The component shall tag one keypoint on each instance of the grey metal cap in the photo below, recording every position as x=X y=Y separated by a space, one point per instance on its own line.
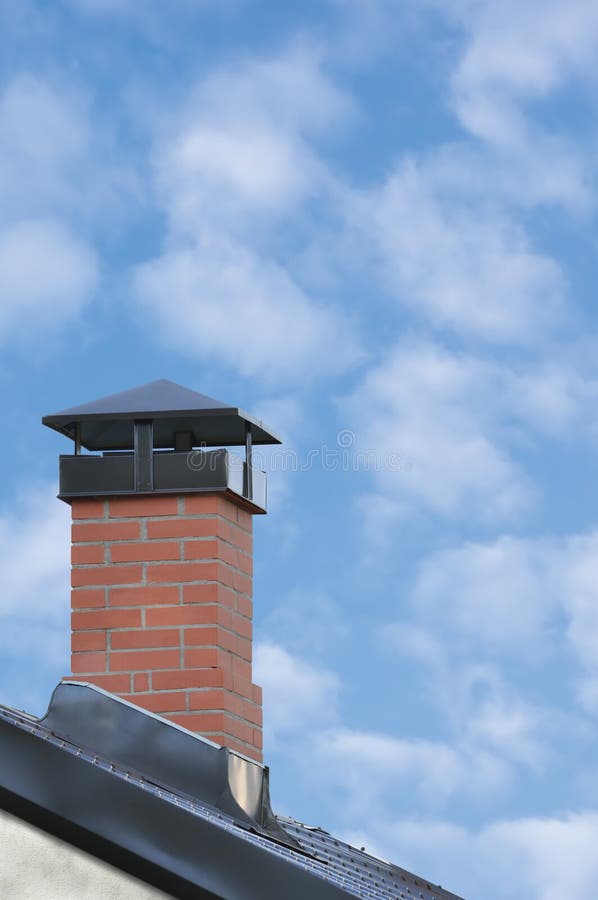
x=108 y=423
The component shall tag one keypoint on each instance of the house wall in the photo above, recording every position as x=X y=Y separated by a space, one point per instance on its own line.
x=34 y=864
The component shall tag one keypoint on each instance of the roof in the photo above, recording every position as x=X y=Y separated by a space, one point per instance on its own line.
x=189 y=817
x=107 y=423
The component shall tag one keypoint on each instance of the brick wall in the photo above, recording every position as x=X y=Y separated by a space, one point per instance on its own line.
x=162 y=610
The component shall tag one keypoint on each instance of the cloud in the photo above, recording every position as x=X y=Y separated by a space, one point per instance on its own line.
x=45 y=147
x=435 y=411
x=504 y=593
x=234 y=164
x=482 y=710
x=524 y=599
x=302 y=698
x=303 y=721
x=517 y=53
x=307 y=621
x=47 y=276
x=221 y=301
x=540 y=858
x=446 y=428
x=239 y=149
x=35 y=599
x=460 y=265
x=390 y=766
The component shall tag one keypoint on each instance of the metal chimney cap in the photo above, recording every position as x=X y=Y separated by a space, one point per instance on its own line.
x=108 y=423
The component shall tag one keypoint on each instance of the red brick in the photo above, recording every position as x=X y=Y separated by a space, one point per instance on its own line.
x=209 y=593
x=161 y=702
x=202 y=549
x=180 y=572
x=206 y=657
x=182 y=528
x=84 y=599
x=105 y=531
x=144 y=638
x=89 y=554
x=88 y=509
x=241 y=625
x=135 y=660
x=105 y=575
x=242 y=583
x=243 y=648
x=147 y=551
x=233 y=579
x=143 y=596
x=245 y=606
x=210 y=504
x=191 y=678
x=256 y=693
x=106 y=618
x=243 y=686
x=258 y=738
x=241 y=667
x=88 y=662
x=239 y=746
x=88 y=640
x=252 y=712
x=116 y=684
x=212 y=700
x=237 y=728
x=200 y=614
x=209 y=636
x=130 y=507
x=202 y=722
x=141 y=681
x=242 y=539
x=244 y=519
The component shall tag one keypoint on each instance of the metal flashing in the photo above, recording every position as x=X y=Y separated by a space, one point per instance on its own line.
x=157 y=801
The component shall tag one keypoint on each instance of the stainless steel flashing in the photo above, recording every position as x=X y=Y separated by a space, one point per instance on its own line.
x=174 y=809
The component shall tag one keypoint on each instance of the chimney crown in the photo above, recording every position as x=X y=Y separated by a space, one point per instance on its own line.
x=154 y=439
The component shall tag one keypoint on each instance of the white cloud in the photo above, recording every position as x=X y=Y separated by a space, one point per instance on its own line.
x=47 y=276
x=239 y=150
x=504 y=594
x=529 y=599
x=390 y=765
x=35 y=600
x=302 y=698
x=233 y=164
x=221 y=301
x=538 y=858
x=44 y=142
x=34 y=554
x=303 y=720
x=446 y=427
x=435 y=410
x=306 y=620
x=484 y=712
x=462 y=266
x=519 y=52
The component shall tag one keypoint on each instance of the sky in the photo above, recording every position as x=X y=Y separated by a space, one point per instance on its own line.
x=372 y=224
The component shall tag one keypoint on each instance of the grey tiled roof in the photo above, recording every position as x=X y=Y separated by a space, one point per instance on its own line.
x=366 y=876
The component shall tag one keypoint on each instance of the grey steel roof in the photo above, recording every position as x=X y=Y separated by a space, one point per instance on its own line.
x=107 y=423
x=191 y=818
x=370 y=877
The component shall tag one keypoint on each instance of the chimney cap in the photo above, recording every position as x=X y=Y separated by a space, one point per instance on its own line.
x=107 y=423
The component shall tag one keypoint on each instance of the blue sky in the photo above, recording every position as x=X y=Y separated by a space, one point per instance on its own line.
x=372 y=224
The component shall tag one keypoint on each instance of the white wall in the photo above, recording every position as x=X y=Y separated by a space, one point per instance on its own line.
x=34 y=865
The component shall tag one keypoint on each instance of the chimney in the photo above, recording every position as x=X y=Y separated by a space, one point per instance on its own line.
x=162 y=555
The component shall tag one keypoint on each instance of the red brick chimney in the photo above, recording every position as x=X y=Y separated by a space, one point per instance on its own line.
x=162 y=556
